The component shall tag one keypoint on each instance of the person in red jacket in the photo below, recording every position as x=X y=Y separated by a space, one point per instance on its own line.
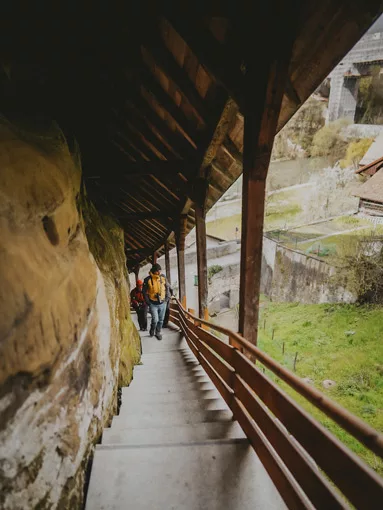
x=140 y=305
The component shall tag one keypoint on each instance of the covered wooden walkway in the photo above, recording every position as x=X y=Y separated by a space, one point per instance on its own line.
x=169 y=102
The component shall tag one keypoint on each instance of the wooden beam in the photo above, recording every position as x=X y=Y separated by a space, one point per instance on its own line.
x=232 y=149
x=153 y=88
x=160 y=168
x=165 y=60
x=138 y=216
x=154 y=257
x=266 y=75
x=178 y=142
x=136 y=144
x=181 y=235
x=167 y=263
x=218 y=59
x=138 y=131
x=200 y=223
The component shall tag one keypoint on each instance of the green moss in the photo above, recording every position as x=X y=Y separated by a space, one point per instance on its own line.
x=130 y=351
x=106 y=243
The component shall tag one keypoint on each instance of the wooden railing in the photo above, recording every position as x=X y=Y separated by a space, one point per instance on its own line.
x=310 y=467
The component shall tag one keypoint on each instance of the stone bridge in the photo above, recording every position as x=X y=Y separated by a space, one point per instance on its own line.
x=346 y=75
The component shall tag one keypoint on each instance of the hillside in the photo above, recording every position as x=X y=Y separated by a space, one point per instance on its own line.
x=342 y=343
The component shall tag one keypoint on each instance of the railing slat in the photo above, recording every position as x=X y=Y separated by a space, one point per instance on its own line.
x=225 y=391
x=220 y=347
x=242 y=389
x=308 y=476
x=285 y=483
x=223 y=369
x=366 y=434
x=344 y=468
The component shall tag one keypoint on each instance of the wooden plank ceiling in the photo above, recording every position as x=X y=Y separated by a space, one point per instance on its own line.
x=153 y=93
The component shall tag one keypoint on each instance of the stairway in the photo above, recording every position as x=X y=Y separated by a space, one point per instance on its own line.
x=174 y=444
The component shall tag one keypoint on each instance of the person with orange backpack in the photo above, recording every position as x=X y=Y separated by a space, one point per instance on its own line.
x=140 y=306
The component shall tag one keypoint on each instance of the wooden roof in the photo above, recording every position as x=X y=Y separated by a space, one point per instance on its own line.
x=372 y=189
x=153 y=92
x=371 y=168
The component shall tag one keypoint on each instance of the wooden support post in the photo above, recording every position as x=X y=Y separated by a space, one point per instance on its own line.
x=200 y=224
x=181 y=234
x=136 y=272
x=265 y=81
x=154 y=258
x=167 y=263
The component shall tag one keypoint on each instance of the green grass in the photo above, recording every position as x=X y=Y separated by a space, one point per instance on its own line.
x=341 y=244
x=338 y=342
x=225 y=227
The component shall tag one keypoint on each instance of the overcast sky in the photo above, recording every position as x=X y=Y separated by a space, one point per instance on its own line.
x=377 y=26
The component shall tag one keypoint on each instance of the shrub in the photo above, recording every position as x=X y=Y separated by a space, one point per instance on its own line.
x=212 y=270
x=328 y=141
x=299 y=131
x=360 y=269
x=355 y=152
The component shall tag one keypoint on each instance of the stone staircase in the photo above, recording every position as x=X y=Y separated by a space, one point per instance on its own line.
x=175 y=444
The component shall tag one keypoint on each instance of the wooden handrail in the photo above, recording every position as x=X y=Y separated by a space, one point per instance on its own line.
x=252 y=397
x=358 y=428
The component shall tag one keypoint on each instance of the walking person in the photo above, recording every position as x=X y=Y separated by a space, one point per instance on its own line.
x=167 y=312
x=139 y=304
x=156 y=294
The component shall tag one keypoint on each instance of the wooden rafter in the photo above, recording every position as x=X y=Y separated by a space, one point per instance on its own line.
x=165 y=60
x=174 y=139
x=154 y=89
x=218 y=59
x=136 y=216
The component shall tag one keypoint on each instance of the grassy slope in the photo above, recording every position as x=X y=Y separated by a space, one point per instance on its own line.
x=225 y=227
x=321 y=334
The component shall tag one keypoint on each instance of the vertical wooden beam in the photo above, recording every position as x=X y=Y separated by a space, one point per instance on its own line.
x=136 y=271
x=167 y=263
x=154 y=258
x=180 y=236
x=201 y=188
x=265 y=81
x=200 y=223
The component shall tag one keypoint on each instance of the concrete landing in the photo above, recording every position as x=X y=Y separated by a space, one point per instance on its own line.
x=223 y=475
x=174 y=444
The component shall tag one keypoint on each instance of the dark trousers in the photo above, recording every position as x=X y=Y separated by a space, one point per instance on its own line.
x=142 y=316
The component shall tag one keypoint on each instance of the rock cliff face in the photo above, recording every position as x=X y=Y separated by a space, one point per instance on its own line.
x=66 y=336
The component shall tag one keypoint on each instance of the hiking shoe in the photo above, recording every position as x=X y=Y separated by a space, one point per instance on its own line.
x=151 y=332
x=158 y=336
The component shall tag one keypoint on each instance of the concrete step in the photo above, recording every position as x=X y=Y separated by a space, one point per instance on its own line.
x=178 y=416
x=184 y=351
x=166 y=378
x=172 y=342
x=178 y=365
x=165 y=361
x=156 y=408
x=154 y=389
x=168 y=355
x=223 y=475
x=197 y=432
x=174 y=396
x=168 y=371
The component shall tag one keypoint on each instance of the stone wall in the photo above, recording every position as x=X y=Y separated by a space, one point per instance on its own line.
x=290 y=275
x=66 y=336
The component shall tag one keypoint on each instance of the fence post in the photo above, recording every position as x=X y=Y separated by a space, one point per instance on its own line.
x=295 y=360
